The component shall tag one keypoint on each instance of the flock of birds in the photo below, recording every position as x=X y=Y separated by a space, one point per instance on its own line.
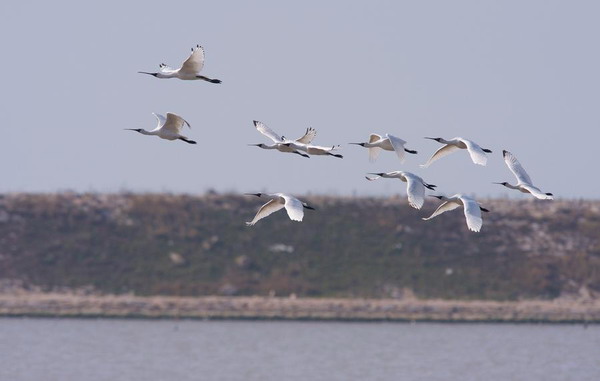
x=171 y=126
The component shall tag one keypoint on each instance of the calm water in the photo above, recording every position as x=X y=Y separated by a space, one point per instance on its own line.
x=94 y=350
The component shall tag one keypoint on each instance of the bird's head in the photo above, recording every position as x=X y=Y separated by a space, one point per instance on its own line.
x=502 y=183
x=306 y=206
x=439 y=140
x=134 y=129
x=254 y=194
x=359 y=144
x=436 y=196
x=377 y=174
x=484 y=209
x=152 y=74
x=261 y=145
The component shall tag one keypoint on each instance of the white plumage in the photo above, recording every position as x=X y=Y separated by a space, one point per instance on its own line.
x=471 y=208
x=524 y=183
x=293 y=206
x=282 y=144
x=478 y=154
x=377 y=143
x=189 y=70
x=415 y=186
x=168 y=128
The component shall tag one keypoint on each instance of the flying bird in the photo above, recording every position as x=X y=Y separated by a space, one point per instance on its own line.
x=524 y=183
x=281 y=143
x=189 y=69
x=168 y=128
x=471 y=207
x=477 y=153
x=415 y=186
x=304 y=144
x=390 y=143
x=293 y=206
x=315 y=150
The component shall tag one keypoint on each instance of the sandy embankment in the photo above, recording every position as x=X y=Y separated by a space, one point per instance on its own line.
x=218 y=307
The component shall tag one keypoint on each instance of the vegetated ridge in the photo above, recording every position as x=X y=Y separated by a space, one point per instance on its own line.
x=188 y=245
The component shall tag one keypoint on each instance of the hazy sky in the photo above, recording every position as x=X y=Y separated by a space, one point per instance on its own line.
x=516 y=75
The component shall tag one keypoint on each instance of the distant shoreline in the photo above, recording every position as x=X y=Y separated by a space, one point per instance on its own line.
x=276 y=308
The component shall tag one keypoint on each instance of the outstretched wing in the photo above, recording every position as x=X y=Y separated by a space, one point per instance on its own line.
x=477 y=154
x=441 y=152
x=536 y=192
x=267 y=209
x=266 y=131
x=415 y=190
x=472 y=214
x=195 y=61
x=446 y=206
x=398 y=145
x=308 y=136
x=166 y=69
x=161 y=120
x=374 y=151
x=294 y=208
x=516 y=168
x=174 y=123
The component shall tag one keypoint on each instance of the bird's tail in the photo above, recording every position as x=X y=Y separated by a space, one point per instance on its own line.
x=187 y=140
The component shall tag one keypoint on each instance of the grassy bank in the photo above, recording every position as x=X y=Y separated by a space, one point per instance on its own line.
x=214 y=307
x=184 y=245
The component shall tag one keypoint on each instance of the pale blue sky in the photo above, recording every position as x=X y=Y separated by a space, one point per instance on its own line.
x=516 y=75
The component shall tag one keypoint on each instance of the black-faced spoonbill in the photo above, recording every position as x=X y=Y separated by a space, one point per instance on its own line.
x=477 y=153
x=377 y=143
x=168 y=128
x=524 y=183
x=189 y=69
x=471 y=207
x=293 y=206
x=415 y=186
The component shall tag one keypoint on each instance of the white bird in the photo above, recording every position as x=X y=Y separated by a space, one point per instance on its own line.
x=293 y=206
x=303 y=144
x=281 y=143
x=477 y=153
x=189 y=69
x=472 y=209
x=390 y=143
x=524 y=183
x=315 y=150
x=168 y=128
x=415 y=186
